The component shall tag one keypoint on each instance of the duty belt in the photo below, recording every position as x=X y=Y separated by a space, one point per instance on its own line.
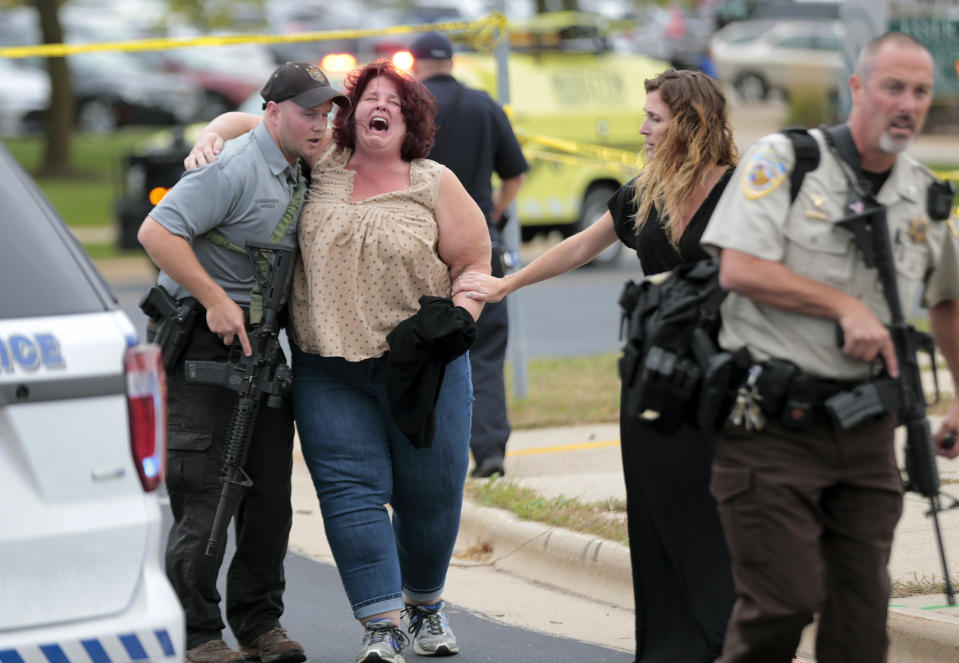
x=791 y=396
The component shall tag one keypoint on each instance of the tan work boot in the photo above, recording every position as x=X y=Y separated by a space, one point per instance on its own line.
x=213 y=651
x=273 y=646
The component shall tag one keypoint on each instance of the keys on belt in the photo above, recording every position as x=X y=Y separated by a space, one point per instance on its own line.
x=778 y=389
x=747 y=408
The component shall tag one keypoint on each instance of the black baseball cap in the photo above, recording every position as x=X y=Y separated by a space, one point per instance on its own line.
x=431 y=46
x=303 y=83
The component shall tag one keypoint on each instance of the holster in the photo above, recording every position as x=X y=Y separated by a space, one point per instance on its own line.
x=174 y=322
x=868 y=400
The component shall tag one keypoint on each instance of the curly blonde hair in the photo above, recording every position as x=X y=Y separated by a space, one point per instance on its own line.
x=697 y=138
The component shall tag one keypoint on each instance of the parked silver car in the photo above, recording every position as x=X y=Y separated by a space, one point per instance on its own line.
x=24 y=95
x=759 y=57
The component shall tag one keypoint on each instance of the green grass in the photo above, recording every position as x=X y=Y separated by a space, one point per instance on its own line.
x=564 y=391
x=603 y=519
x=84 y=198
x=917 y=585
x=109 y=251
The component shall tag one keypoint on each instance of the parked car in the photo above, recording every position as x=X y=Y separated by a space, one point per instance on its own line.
x=82 y=454
x=24 y=96
x=226 y=75
x=678 y=36
x=112 y=89
x=728 y=11
x=759 y=57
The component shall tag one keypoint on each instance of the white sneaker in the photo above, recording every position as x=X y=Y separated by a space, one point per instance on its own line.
x=382 y=643
x=432 y=635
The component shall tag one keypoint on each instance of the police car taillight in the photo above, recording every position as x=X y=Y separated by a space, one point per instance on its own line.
x=146 y=404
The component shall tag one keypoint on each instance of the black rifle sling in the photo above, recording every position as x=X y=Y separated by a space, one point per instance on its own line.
x=807 y=158
x=840 y=137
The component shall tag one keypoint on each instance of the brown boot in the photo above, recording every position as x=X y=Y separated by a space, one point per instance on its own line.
x=273 y=646
x=213 y=651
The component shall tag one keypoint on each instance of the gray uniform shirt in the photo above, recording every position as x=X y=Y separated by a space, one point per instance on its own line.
x=754 y=216
x=243 y=194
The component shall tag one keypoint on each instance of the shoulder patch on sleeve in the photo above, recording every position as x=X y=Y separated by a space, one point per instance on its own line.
x=763 y=174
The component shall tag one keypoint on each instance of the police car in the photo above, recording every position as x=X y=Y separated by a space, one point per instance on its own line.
x=82 y=454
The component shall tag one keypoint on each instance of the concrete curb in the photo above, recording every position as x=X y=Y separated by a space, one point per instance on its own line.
x=577 y=563
x=922 y=638
x=600 y=570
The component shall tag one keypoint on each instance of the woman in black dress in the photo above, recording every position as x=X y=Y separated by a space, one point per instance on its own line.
x=682 y=582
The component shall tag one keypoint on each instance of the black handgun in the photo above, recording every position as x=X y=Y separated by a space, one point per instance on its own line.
x=174 y=320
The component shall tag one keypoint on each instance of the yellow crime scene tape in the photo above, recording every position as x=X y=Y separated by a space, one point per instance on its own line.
x=567 y=159
x=609 y=155
x=486 y=31
x=484 y=28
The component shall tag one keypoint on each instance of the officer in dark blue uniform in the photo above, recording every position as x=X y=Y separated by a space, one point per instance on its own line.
x=474 y=139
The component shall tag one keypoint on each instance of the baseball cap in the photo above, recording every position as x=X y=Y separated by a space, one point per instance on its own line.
x=431 y=46
x=303 y=83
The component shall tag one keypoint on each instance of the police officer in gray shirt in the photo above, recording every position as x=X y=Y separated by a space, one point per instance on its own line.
x=254 y=191
x=808 y=507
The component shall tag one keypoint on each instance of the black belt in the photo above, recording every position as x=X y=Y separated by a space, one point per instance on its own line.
x=792 y=396
x=818 y=390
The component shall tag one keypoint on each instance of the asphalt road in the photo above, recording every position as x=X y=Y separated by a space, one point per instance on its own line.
x=317 y=614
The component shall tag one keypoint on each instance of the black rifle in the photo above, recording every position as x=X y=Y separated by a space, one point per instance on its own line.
x=871 y=233
x=261 y=376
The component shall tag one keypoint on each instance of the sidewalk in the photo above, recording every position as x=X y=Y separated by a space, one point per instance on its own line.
x=584 y=462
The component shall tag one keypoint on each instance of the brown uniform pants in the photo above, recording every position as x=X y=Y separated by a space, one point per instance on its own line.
x=809 y=519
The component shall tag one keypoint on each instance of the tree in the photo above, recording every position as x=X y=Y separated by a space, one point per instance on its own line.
x=60 y=117
x=58 y=127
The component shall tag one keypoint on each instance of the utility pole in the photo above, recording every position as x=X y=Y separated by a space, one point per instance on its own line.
x=516 y=350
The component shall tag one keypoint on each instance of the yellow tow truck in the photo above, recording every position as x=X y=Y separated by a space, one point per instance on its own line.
x=576 y=106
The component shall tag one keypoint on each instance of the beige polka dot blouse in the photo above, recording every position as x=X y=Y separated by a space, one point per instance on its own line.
x=363 y=265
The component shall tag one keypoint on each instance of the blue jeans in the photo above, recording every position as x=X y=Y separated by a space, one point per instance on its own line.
x=360 y=461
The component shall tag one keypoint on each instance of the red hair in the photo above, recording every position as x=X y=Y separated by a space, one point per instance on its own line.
x=419 y=109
